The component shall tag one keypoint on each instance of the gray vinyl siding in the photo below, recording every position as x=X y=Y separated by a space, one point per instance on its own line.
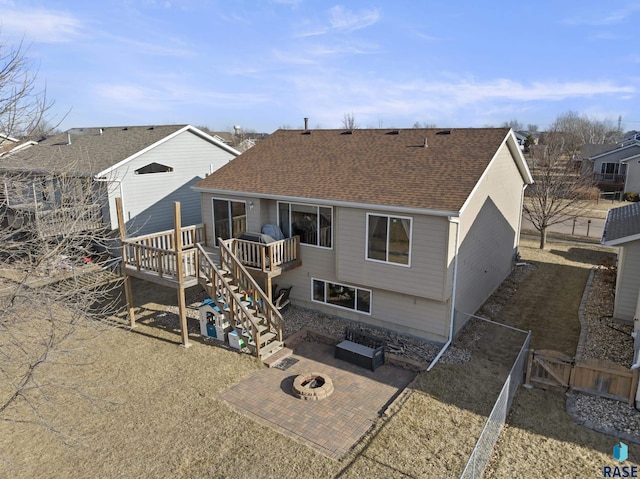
x=628 y=281
x=615 y=157
x=148 y=199
x=489 y=233
x=425 y=277
x=632 y=184
x=399 y=312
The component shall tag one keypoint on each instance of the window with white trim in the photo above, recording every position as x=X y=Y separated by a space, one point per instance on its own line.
x=341 y=295
x=314 y=224
x=389 y=238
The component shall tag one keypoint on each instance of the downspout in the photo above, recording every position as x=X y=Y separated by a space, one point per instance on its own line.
x=456 y=220
x=524 y=187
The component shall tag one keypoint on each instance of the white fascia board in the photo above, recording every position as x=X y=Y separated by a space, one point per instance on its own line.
x=320 y=201
x=165 y=139
x=630 y=158
x=521 y=164
x=621 y=241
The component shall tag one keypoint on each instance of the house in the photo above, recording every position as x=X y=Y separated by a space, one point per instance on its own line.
x=617 y=169
x=406 y=229
x=148 y=167
x=622 y=229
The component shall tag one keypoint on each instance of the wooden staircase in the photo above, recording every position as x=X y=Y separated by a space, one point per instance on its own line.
x=251 y=313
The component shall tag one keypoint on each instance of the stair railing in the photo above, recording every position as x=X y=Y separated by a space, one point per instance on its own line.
x=259 y=298
x=238 y=312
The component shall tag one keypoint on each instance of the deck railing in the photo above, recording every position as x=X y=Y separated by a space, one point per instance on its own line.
x=265 y=257
x=156 y=252
x=609 y=178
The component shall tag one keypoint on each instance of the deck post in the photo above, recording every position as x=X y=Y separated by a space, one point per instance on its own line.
x=126 y=278
x=180 y=274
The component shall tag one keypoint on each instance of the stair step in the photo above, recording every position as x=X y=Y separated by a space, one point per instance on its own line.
x=266 y=337
x=273 y=359
x=270 y=349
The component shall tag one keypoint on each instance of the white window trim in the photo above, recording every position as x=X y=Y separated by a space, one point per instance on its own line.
x=308 y=204
x=213 y=216
x=355 y=310
x=366 y=240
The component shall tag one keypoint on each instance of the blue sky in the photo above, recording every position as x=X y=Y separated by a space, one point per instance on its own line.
x=263 y=65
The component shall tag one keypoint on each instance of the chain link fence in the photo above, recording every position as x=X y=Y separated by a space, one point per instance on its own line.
x=483 y=449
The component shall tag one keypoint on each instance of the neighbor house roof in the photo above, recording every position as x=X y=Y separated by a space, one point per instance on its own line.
x=93 y=151
x=622 y=225
x=433 y=169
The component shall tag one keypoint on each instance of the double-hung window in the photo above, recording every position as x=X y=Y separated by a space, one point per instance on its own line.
x=341 y=295
x=314 y=224
x=389 y=239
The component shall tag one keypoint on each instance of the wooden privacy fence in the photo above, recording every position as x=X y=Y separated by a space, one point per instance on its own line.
x=552 y=369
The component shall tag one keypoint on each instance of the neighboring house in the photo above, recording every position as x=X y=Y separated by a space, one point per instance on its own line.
x=622 y=229
x=149 y=167
x=399 y=229
x=616 y=168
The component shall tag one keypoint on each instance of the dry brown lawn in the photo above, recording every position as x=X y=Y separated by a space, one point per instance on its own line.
x=158 y=414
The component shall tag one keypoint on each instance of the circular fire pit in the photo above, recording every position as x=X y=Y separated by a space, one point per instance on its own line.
x=312 y=386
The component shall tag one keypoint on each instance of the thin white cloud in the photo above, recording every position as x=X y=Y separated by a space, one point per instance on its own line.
x=611 y=17
x=343 y=20
x=169 y=93
x=454 y=98
x=41 y=25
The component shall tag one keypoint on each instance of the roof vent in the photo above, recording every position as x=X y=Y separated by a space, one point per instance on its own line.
x=125 y=128
x=101 y=131
x=306 y=132
x=68 y=138
x=443 y=132
x=425 y=142
x=393 y=132
x=347 y=132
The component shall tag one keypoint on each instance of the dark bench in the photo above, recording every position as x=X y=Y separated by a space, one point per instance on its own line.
x=360 y=348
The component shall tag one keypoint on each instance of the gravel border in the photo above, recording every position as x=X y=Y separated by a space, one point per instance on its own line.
x=607 y=416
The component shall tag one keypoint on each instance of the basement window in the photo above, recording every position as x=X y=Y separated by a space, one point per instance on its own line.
x=154 y=168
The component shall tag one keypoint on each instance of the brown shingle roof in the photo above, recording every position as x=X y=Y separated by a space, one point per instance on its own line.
x=89 y=152
x=370 y=166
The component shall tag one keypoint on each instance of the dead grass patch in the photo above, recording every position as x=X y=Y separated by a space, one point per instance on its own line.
x=163 y=418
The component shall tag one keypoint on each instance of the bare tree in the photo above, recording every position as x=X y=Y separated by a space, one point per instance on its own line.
x=424 y=124
x=581 y=130
x=55 y=284
x=349 y=122
x=514 y=124
x=23 y=107
x=559 y=189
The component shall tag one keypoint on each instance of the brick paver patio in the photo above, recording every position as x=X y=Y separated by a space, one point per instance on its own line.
x=332 y=425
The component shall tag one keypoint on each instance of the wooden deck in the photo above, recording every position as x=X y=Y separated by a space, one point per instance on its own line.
x=154 y=257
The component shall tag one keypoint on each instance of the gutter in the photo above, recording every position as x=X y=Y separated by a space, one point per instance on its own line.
x=455 y=220
x=323 y=202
